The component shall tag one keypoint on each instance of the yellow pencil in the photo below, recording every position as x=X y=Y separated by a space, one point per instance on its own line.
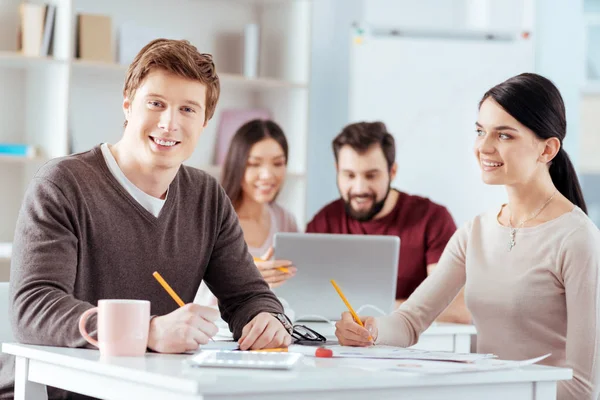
x=282 y=269
x=273 y=350
x=168 y=288
x=354 y=315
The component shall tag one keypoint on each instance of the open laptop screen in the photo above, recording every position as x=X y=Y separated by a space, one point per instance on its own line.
x=364 y=266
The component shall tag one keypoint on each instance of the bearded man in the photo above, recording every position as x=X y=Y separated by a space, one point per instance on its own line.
x=365 y=155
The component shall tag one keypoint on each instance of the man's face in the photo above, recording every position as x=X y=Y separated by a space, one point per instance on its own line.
x=363 y=181
x=165 y=119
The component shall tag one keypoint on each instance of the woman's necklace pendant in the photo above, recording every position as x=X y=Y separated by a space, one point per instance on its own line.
x=511 y=242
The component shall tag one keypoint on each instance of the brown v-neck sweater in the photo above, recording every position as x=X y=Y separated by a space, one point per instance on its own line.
x=81 y=237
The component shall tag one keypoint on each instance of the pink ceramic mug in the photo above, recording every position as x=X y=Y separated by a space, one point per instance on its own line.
x=122 y=327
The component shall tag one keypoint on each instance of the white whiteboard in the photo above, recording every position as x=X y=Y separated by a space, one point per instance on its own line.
x=427 y=90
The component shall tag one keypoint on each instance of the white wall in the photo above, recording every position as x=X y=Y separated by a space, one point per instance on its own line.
x=328 y=94
x=560 y=55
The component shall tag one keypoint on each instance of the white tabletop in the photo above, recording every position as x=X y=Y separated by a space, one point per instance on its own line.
x=169 y=372
x=444 y=328
x=437 y=328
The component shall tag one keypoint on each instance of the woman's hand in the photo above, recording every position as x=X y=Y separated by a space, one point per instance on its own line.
x=349 y=333
x=274 y=272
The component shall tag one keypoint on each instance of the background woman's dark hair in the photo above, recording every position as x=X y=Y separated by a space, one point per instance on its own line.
x=247 y=136
x=360 y=136
x=535 y=102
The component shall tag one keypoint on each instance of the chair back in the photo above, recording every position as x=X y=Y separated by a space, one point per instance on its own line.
x=5 y=329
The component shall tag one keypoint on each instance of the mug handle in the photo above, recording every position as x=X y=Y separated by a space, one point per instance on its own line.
x=82 y=321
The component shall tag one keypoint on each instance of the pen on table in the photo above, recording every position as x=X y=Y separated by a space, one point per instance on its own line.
x=282 y=269
x=352 y=312
x=170 y=290
x=320 y=352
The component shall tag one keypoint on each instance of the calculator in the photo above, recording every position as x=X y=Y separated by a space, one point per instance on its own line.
x=244 y=359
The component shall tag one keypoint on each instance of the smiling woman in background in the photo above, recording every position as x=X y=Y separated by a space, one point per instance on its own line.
x=531 y=267
x=253 y=173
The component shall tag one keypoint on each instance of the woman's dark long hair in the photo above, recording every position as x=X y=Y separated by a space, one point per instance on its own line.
x=234 y=166
x=535 y=102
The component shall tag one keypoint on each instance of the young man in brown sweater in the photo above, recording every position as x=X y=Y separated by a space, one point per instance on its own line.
x=95 y=225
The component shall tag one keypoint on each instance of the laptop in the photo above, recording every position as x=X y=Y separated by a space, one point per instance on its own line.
x=365 y=267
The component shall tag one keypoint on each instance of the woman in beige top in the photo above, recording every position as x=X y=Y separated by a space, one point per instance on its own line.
x=530 y=268
x=253 y=174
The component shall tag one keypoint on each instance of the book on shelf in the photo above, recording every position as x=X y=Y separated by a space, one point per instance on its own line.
x=17 y=150
x=37 y=27
x=94 y=38
x=229 y=122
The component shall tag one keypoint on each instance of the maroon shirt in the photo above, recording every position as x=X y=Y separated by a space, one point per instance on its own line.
x=423 y=226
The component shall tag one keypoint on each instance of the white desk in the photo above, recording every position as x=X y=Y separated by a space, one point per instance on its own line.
x=439 y=337
x=159 y=376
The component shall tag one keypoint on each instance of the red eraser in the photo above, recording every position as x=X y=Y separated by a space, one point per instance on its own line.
x=323 y=352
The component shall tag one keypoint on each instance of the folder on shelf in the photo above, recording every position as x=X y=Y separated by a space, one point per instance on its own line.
x=48 y=34
x=94 y=38
x=17 y=150
x=33 y=17
x=229 y=122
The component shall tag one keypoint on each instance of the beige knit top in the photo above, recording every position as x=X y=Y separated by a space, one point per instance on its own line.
x=541 y=297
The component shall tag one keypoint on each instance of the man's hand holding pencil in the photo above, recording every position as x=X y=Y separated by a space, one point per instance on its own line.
x=183 y=329
x=192 y=325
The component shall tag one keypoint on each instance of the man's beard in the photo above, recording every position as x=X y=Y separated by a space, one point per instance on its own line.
x=367 y=215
